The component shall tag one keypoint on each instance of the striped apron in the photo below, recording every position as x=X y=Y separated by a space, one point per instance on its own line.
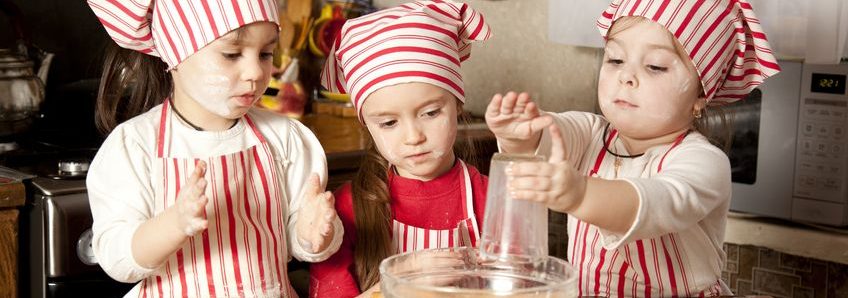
x=406 y=238
x=243 y=251
x=643 y=268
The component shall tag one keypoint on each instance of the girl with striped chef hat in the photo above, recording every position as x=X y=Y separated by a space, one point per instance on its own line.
x=646 y=193
x=401 y=67
x=194 y=193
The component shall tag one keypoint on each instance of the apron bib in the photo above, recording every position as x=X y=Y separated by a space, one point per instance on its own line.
x=635 y=269
x=406 y=238
x=243 y=251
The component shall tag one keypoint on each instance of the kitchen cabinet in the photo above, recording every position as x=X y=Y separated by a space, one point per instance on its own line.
x=11 y=197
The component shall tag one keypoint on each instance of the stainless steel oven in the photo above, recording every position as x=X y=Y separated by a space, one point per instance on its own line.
x=789 y=156
x=55 y=226
x=60 y=261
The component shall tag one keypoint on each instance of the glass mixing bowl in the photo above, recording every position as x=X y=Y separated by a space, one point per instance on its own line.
x=457 y=272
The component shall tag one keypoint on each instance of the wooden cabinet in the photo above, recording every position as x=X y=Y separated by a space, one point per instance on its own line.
x=11 y=197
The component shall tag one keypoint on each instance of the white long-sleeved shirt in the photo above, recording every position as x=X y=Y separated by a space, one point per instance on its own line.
x=674 y=246
x=121 y=192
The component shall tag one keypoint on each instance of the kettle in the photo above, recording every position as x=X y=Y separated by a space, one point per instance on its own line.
x=22 y=87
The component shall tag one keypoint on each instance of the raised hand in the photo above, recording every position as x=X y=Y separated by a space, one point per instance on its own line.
x=555 y=182
x=516 y=122
x=315 y=221
x=191 y=202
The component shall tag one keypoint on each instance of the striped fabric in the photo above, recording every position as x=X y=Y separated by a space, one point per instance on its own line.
x=652 y=267
x=243 y=251
x=724 y=39
x=175 y=29
x=423 y=41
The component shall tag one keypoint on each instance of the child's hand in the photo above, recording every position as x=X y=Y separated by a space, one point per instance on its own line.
x=555 y=183
x=516 y=122
x=191 y=202
x=315 y=223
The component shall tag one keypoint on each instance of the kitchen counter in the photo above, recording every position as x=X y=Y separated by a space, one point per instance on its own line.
x=827 y=244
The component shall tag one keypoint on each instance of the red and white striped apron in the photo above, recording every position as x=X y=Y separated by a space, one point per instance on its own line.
x=653 y=267
x=243 y=252
x=406 y=238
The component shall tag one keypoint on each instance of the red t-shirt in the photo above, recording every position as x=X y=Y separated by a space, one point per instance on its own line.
x=434 y=204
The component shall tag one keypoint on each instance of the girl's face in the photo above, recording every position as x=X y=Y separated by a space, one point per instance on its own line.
x=226 y=77
x=414 y=128
x=645 y=88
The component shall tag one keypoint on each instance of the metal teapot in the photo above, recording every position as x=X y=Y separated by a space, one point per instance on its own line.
x=21 y=85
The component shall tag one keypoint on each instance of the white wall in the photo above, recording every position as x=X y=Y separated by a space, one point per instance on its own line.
x=520 y=56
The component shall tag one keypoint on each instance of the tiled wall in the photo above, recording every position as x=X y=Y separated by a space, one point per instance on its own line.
x=752 y=270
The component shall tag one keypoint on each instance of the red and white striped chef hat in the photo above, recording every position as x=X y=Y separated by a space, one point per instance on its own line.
x=175 y=29
x=723 y=38
x=423 y=41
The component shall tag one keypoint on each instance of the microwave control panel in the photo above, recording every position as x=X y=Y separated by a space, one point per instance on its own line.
x=821 y=163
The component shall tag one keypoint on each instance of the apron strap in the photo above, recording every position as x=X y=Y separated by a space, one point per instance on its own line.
x=676 y=142
x=163 y=119
x=469 y=202
x=602 y=154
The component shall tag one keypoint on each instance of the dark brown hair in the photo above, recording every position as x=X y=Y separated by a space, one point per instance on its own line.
x=371 y=207
x=132 y=83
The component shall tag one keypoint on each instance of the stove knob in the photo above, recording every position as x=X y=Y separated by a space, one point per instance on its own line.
x=84 y=250
x=73 y=166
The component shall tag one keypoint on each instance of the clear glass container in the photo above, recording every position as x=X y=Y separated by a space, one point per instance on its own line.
x=458 y=272
x=513 y=230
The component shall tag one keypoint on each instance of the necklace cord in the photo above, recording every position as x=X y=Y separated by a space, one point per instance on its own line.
x=606 y=146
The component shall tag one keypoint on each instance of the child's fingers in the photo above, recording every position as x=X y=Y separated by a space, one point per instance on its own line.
x=199 y=188
x=530 y=183
x=521 y=103
x=531 y=110
x=557 y=145
x=529 y=195
x=329 y=199
x=199 y=171
x=313 y=186
x=201 y=203
x=494 y=107
x=532 y=169
x=508 y=103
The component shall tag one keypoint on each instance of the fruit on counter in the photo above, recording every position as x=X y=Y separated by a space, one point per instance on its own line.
x=285 y=95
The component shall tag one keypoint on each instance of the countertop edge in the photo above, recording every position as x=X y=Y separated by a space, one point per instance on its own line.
x=743 y=229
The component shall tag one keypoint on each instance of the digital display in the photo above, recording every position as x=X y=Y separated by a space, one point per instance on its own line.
x=828 y=83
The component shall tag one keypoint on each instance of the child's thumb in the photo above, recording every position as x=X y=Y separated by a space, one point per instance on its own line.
x=557 y=145
x=539 y=123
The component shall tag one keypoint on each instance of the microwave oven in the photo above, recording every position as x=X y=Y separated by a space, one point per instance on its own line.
x=788 y=155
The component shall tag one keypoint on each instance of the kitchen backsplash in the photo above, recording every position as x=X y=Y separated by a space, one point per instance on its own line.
x=753 y=270
x=520 y=56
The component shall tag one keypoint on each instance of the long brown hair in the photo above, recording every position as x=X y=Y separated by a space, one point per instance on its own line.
x=132 y=83
x=371 y=206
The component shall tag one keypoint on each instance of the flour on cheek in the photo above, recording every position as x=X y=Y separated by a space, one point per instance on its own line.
x=213 y=91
